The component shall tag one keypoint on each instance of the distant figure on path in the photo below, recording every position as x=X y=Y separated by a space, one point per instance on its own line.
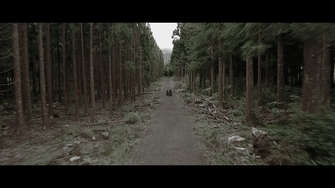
x=167 y=92
x=170 y=93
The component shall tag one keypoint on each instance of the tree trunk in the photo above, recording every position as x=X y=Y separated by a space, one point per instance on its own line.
x=45 y=125
x=49 y=73
x=332 y=73
x=75 y=78
x=120 y=74
x=212 y=77
x=102 y=73
x=26 y=81
x=17 y=85
x=311 y=76
x=114 y=73
x=221 y=78
x=267 y=70
x=59 y=68
x=231 y=75
x=259 y=73
x=80 y=77
x=280 y=74
x=110 y=75
x=64 y=73
x=83 y=65
x=325 y=72
x=204 y=79
x=250 y=85
x=193 y=81
x=92 y=110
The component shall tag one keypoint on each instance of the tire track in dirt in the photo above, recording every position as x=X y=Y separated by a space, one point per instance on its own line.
x=169 y=139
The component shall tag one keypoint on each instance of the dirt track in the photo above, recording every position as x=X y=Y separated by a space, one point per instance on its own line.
x=169 y=140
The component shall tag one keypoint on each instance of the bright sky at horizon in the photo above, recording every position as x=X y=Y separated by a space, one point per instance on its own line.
x=162 y=33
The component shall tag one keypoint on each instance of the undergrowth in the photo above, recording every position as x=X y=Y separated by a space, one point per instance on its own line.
x=297 y=138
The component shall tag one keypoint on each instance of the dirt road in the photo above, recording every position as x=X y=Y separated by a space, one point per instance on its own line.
x=169 y=140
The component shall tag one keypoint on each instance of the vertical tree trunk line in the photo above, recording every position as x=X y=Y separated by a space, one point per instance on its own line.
x=75 y=81
x=249 y=86
x=325 y=72
x=231 y=75
x=45 y=125
x=64 y=72
x=102 y=71
x=259 y=72
x=84 y=67
x=17 y=76
x=26 y=80
x=280 y=74
x=49 y=72
x=92 y=110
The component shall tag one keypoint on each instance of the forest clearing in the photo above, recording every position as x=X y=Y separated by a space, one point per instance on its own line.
x=97 y=94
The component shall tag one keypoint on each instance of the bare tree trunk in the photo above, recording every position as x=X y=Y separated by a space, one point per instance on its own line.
x=212 y=76
x=140 y=73
x=59 y=68
x=250 y=85
x=325 y=72
x=26 y=73
x=114 y=73
x=17 y=75
x=221 y=78
x=231 y=75
x=280 y=74
x=45 y=125
x=120 y=75
x=49 y=73
x=267 y=70
x=102 y=72
x=83 y=65
x=110 y=75
x=311 y=76
x=64 y=73
x=259 y=73
x=92 y=110
x=193 y=81
x=75 y=78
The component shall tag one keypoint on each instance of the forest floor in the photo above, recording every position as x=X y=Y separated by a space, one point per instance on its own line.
x=153 y=130
x=110 y=141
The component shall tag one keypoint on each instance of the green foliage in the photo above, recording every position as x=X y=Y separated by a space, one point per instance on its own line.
x=317 y=134
x=133 y=117
x=69 y=135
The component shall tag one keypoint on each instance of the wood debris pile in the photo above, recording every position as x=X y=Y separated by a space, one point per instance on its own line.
x=213 y=110
x=265 y=115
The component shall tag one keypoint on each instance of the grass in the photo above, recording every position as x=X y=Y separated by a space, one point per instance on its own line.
x=214 y=141
x=296 y=138
x=113 y=145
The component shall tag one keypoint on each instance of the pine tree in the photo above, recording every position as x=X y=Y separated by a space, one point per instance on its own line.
x=83 y=65
x=92 y=110
x=26 y=79
x=75 y=78
x=64 y=72
x=49 y=72
x=45 y=125
x=17 y=77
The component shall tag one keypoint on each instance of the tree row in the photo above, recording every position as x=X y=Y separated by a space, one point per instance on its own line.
x=76 y=63
x=257 y=55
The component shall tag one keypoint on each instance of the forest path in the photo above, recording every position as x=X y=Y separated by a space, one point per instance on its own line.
x=169 y=139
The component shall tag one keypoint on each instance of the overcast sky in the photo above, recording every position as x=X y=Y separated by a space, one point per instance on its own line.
x=162 y=33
